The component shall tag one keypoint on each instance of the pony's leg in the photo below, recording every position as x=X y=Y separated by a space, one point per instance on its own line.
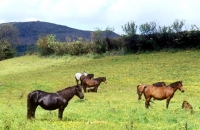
x=147 y=103
x=31 y=111
x=60 y=112
x=139 y=96
x=84 y=88
x=90 y=90
x=95 y=89
x=167 y=102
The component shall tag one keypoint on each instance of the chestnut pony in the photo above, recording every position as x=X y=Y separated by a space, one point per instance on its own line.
x=52 y=101
x=160 y=93
x=141 y=86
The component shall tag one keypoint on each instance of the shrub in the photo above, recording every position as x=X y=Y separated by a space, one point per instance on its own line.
x=79 y=48
x=46 y=45
x=6 y=51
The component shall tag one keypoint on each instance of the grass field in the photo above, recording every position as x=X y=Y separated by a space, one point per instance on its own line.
x=115 y=106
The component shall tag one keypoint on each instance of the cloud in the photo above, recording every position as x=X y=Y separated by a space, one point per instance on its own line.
x=89 y=14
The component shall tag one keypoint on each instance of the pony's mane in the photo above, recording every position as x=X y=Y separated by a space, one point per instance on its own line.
x=65 y=92
x=175 y=84
x=159 y=84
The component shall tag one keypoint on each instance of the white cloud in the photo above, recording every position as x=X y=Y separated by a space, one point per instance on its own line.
x=89 y=14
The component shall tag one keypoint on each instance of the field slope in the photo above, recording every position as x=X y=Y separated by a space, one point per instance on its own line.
x=115 y=106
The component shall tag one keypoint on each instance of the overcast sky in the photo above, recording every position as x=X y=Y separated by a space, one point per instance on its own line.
x=91 y=14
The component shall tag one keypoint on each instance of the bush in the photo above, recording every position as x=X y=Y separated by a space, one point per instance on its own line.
x=79 y=48
x=6 y=51
x=46 y=45
x=100 y=47
x=114 y=44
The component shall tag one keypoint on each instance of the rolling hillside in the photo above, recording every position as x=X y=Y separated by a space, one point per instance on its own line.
x=30 y=31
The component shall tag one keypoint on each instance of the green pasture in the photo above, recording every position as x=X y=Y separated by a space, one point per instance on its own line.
x=115 y=106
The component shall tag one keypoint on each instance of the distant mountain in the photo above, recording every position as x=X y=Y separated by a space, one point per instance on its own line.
x=29 y=32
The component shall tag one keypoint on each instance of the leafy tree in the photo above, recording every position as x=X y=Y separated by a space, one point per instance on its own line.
x=164 y=29
x=109 y=31
x=130 y=28
x=8 y=41
x=178 y=25
x=148 y=28
x=97 y=35
x=10 y=33
x=194 y=28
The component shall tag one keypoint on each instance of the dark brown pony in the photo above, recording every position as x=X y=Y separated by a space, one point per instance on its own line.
x=89 y=76
x=52 y=101
x=160 y=93
x=141 y=87
x=92 y=83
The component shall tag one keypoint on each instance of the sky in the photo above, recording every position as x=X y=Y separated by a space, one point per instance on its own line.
x=100 y=14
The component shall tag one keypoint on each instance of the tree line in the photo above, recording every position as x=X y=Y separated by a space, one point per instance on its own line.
x=136 y=39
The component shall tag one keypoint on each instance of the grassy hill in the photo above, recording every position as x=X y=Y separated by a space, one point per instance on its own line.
x=30 y=31
x=115 y=106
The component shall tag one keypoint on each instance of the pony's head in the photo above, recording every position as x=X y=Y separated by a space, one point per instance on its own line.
x=78 y=91
x=180 y=86
x=104 y=79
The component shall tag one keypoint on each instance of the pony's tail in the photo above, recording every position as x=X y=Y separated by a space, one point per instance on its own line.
x=143 y=91
x=29 y=106
x=139 y=97
x=139 y=92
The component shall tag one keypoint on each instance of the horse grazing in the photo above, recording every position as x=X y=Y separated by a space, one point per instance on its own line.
x=78 y=75
x=52 y=101
x=141 y=87
x=93 y=83
x=186 y=105
x=160 y=93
